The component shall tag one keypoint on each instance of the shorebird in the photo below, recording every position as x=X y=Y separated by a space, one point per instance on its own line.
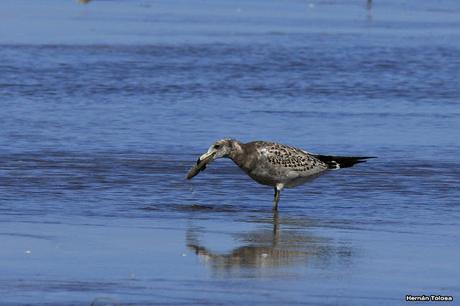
x=273 y=164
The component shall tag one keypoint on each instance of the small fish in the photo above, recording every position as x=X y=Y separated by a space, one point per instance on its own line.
x=201 y=163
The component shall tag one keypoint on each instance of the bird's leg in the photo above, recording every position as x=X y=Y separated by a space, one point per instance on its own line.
x=278 y=189
x=276 y=199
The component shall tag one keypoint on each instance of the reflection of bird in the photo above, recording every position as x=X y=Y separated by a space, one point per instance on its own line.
x=369 y=4
x=269 y=248
x=369 y=10
x=273 y=164
x=264 y=249
x=102 y=301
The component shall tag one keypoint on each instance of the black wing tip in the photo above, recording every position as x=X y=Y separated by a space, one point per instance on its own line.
x=335 y=162
x=347 y=162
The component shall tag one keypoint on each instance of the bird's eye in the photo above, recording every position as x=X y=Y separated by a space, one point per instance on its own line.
x=216 y=146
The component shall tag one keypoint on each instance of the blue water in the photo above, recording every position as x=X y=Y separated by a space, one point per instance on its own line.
x=105 y=107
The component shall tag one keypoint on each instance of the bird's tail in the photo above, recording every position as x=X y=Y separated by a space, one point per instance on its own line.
x=336 y=162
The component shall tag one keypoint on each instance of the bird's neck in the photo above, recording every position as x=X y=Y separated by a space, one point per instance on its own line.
x=238 y=155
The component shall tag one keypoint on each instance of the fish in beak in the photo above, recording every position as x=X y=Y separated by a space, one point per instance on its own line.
x=201 y=163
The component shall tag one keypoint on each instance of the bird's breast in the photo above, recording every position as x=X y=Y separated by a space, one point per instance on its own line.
x=265 y=175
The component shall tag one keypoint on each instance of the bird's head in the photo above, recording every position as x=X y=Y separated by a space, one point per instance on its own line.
x=221 y=148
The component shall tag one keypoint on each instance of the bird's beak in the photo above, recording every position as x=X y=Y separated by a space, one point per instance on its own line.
x=201 y=163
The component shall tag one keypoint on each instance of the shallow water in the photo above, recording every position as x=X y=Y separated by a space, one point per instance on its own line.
x=106 y=106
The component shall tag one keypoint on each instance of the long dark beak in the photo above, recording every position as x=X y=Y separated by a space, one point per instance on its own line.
x=201 y=163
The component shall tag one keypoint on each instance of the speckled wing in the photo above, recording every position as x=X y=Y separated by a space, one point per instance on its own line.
x=294 y=162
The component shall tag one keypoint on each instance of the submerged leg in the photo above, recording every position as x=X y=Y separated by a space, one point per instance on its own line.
x=276 y=226
x=276 y=199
